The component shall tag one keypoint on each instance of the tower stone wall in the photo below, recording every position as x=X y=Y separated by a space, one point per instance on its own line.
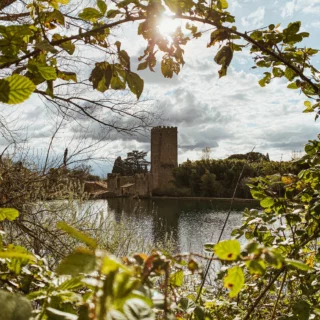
x=164 y=155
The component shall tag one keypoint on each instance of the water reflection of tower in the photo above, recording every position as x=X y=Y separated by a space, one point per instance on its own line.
x=116 y=207
x=165 y=224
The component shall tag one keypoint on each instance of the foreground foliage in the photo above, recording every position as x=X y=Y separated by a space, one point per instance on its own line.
x=272 y=273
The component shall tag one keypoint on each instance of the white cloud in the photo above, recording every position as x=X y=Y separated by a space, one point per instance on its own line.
x=254 y=19
x=288 y=9
x=305 y=6
x=315 y=24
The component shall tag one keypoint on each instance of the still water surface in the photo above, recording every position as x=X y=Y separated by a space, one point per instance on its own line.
x=189 y=223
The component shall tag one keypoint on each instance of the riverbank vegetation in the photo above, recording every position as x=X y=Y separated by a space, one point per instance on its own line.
x=218 y=178
x=269 y=270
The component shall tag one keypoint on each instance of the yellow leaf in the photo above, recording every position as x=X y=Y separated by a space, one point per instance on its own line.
x=234 y=281
x=227 y=250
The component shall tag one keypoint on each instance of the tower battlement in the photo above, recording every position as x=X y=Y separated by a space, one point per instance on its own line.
x=162 y=128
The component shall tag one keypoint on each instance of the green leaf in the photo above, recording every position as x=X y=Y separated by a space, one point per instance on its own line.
x=199 y=313
x=143 y=65
x=186 y=304
x=309 y=107
x=289 y=74
x=17 y=255
x=37 y=295
x=112 y=13
x=193 y=265
x=274 y=259
x=179 y=6
x=14 y=307
x=168 y=67
x=223 y=4
x=102 y=6
x=15 y=89
x=68 y=46
x=293 y=85
x=117 y=83
x=76 y=234
x=298 y=265
x=224 y=56
x=47 y=73
x=8 y=213
x=55 y=3
x=257 y=194
x=90 y=14
x=55 y=16
x=46 y=46
x=292 y=28
x=227 y=250
x=65 y=75
x=101 y=76
x=135 y=83
x=72 y=284
x=217 y=36
x=124 y=59
x=234 y=281
x=308 y=104
x=61 y=314
x=137 y=309
x=176 y=279
x=265 y=80
x=256 y=35
x=80 y=261
x=110 y=264
x=256 y=267
x=301 y=309
x=267 y=202
x=277 y=72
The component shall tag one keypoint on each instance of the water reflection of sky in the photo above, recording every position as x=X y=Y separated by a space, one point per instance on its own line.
x=188 y=223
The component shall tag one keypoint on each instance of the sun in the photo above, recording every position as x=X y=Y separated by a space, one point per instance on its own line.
x=168 y=25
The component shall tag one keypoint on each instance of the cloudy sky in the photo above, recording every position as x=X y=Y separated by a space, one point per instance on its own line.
x=230 y=115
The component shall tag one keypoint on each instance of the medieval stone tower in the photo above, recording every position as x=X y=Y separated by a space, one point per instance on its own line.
x=164 y=155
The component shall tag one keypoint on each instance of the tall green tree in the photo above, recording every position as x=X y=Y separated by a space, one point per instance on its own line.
x=135 y=163
x=118 y=166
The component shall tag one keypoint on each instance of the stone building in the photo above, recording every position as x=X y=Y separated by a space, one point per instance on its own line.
x=164 y=157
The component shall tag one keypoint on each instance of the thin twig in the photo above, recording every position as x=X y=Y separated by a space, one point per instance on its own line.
x=279 y=294
x=261 y=295
x=222 y=230
x=50 y=144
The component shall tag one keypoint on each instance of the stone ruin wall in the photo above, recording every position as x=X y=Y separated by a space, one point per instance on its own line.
x=164 y=158
x=115 y=181
x=144 y=184
x=142 y=181
x=164 y=155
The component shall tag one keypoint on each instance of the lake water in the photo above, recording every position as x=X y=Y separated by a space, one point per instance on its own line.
x=188 y=223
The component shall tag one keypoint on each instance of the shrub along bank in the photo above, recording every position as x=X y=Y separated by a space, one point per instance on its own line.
x=218 y=178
